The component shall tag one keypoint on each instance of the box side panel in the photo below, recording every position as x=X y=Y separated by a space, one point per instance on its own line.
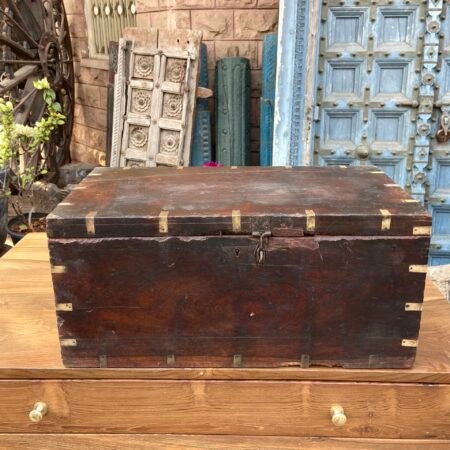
x=205 y=301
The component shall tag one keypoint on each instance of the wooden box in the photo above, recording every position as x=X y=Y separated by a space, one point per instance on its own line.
x=239 y=267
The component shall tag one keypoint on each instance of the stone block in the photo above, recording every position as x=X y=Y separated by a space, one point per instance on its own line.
x=74 y=173
x=268 y=3
x=186 y=4
x=88 y=95
x=236 y=3
x=215 y=24
x=253 y=24
x=143 y=6
x=83 y=153
x=74 y=6
x=77 y=25
x=46 y=196
x=171 y=19
x=245 y=49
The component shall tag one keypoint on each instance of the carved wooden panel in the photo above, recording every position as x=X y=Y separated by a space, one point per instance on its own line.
x=157 y=107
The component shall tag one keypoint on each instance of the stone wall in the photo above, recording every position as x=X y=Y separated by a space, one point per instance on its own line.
x=229 y=27
x=91 y=75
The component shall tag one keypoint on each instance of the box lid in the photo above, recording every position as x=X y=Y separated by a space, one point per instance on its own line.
x=289 y=202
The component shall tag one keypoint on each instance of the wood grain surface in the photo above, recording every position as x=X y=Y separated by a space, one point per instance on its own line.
x=205 y=300
x=200 y=202
x=184 y=442
x=30 y=347
x=266 y=408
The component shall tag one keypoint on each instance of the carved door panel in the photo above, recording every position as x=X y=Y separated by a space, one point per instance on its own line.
x=439 y=179
x=368 y=88
x=154 y=97
x=144 y=74
x=170 y=109
x=157 y=104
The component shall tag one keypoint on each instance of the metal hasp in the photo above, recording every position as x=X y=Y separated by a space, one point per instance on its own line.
x=201 y=151
x=233 y=111
x=269 y=75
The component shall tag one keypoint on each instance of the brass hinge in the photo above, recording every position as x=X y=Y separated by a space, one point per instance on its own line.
x=414 y=307
x=68 y=342
x=422 y=231
x=59 y=269
x=410 y=343
x=64 y=307
x=418 y=269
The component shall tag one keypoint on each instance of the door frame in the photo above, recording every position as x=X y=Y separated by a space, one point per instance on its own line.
x=297 y=60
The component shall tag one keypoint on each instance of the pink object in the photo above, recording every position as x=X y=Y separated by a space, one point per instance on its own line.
x=212 y=164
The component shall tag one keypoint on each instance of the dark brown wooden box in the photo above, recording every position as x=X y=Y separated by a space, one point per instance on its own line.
x=242 y=267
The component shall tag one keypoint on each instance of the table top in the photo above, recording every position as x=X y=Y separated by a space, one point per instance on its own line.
x=29 y=344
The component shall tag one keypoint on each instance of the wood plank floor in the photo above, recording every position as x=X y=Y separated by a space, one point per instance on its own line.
x=172 y=442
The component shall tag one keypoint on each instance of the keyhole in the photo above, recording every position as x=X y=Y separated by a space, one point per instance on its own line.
x=237 y=252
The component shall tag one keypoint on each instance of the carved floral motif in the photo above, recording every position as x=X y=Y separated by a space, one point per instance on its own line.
x=138 y=137
x=141 y=101
x=170 y=141
x=135 y=163
x=173 y=106
x=175 y=70
x=143 y=66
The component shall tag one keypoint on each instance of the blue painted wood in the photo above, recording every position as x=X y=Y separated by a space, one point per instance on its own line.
x=439 y=163
x=269 y=75
x=367 y=107
x=291 y=82
x=233 y=111
x=202 y=103
x=201 y=151
x=202 y=143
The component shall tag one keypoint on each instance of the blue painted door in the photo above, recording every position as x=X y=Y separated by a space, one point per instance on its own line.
x=439 y=167
x=368 y=88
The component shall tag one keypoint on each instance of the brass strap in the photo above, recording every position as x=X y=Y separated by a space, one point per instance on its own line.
x=164 y=222
x=64 y=307
x=410 y=343
x=386 y=221
x=422 y=231
x=414 y=307
x=310 y=220
x=90 y=223
x=418 y=269
x=236 y=220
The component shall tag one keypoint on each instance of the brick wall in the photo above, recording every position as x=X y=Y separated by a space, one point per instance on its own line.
x=229 y=26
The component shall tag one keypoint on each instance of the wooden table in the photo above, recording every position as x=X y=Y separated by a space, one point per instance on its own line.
x=285 y=408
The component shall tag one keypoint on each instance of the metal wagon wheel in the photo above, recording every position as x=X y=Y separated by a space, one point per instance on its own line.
x=35 y=43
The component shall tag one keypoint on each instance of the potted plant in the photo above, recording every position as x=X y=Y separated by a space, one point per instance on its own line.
x=23 y=160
